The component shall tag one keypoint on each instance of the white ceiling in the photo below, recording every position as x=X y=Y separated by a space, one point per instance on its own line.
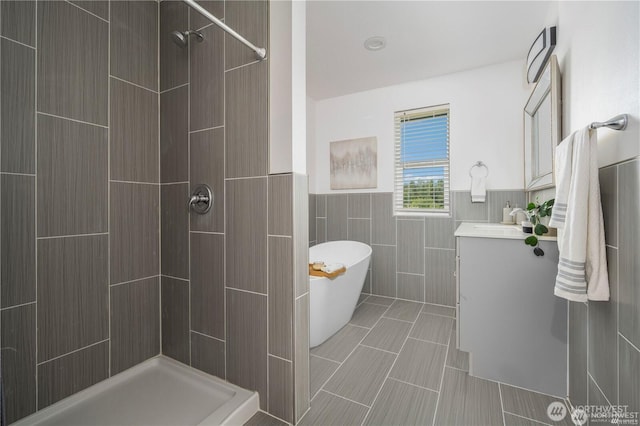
x=424 y=39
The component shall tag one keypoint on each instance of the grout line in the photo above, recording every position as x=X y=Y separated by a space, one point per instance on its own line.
x=278 y=357
x=190 y=215
x=17 y=42
x=206 y=335
x=133 y=281
x=207 y=129
x=379 y=349
x=6 y=308
x=430 y=341
x=243 y=65
x=175 y=278
x=173 y=183
x=207 y=232
x=504 y=422
x=599 y=388
x=323 y=358
x=72 y=236
x=396 y=319
x=133 y=84
x=413 y=384
x=459 y=369
x=342 y=397
x=246 y=291
x=410 y=273
x=133 y=182
x=109 y=191
x=18 y=174
x=90 y=13
x=35 y=187
x=174 y=88
x=72 y=119
x=280 y=236
x=72 y=352
x=246 y=177
x=523 y=417
x=446 y=356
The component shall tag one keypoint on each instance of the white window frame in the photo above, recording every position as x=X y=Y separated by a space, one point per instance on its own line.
x=400 y=166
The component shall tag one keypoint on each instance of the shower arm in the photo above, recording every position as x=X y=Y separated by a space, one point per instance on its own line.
x=261 y=52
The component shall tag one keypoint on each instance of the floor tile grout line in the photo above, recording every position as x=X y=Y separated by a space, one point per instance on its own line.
x=413 y=384
x=379 y=349
x=504 y=422
x=526 y=418
x=429 y=341
x=446 y=355
x=325 y=359
x=342 y=397
x=392 y=365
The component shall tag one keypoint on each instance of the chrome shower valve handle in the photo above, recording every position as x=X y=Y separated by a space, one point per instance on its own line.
x=201 y=200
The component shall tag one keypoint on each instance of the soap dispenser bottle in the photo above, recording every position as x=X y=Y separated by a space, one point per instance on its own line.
x=507 y=219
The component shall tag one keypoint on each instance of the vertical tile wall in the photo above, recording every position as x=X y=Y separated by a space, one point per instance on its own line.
x=79 y=195
x=231 y=285
x=604 y=337
x=413 y=257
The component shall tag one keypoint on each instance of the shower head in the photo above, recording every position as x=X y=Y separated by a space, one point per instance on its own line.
x=182 y=38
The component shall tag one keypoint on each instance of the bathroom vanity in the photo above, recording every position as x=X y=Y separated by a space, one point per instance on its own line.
x=509 y=320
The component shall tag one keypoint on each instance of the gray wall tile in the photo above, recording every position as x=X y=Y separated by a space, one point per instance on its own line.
x=247 y=342
x=578 y=317
x=281 y=297
x=420 y=363
x=609 y=197
x=440 y=286
x=411 y=287
x=246 y=234
x=247 y=140
x=321 y=205
x=175 y=319
x=73 y=294
x=251 y=19
x=18 y=243
x=18 y=21
x=321 y=230
x=360 y=206
x=280 y=204
x=301 y=364
x=134 y=42
x=174 y=15
x=215 y=7
x=72 y=71
x=438 y=232
x=327 y=409
x=629 y=392
x=134 y=232
x=383 y=267
x=72 y=177
x=208 y=354
x=207 y=167
x=410 y=246
x=19 y=363
x=207 y=284
x=97 y=7
x=135 y=325
x=466 y=210
x=174 y=232
x=134 y=133
x=383 y=224
x=312 y=217
x=71 y=373
x=629 y=247
x=17 y=84
x=360 y=230
x=603 y=334
x=207 y=79
x=361 y=376
x=174 y=135
x=497 y=200
x=300 y=234
x=400 y=403
x=281 y=388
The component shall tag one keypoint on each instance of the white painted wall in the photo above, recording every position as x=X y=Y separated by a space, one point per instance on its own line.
x=486 y=124
x=311 y=142
x=598 y=52
x=287 y=86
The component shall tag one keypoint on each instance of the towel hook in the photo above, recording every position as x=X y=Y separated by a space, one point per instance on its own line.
x=479 y=164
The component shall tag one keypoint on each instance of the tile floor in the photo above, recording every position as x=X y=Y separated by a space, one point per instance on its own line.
x=396 y=363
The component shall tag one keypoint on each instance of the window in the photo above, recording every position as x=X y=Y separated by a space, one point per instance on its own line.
x=422 y=160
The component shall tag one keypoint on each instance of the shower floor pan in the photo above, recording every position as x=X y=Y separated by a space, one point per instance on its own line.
x=159 y=391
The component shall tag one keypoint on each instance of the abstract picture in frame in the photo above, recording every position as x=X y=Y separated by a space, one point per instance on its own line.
x=354 y=163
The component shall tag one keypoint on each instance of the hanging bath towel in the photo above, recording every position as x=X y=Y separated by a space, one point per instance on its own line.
x=577 y=213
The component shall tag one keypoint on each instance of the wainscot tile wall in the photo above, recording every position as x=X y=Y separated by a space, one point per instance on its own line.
x=413 y=257
x=80 y=195
x=234 y=281
x=604 y=337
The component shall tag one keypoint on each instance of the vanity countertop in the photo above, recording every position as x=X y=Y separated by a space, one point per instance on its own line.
x=495 y=230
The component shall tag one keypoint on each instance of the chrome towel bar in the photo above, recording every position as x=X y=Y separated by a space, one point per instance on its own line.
x=619 y=122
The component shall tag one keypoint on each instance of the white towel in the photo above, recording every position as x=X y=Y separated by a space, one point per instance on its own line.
x=577 y=213
x=478 y=189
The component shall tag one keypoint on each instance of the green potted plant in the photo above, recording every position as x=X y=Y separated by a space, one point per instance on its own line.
x=536 y=214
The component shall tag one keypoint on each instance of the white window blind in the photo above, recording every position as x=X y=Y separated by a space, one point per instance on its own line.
x=422 y=160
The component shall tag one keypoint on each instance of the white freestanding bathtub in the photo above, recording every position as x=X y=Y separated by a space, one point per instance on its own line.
x=332 y=301
x=159 y=391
